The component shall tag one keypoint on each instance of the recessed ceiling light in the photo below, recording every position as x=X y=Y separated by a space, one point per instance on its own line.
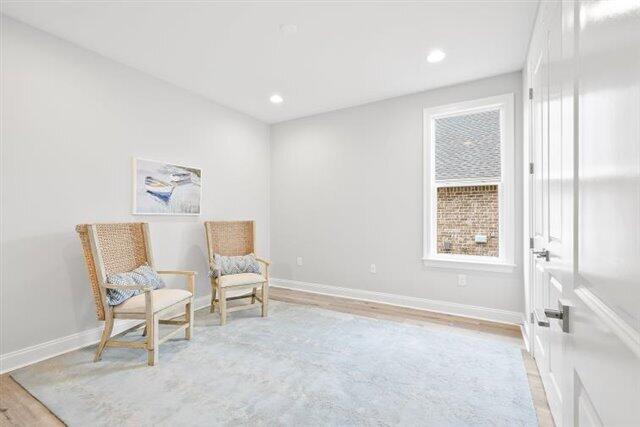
x=436 y=56
x=276 y=99
x=288 y=28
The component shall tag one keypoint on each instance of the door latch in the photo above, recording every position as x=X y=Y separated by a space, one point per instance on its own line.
x=544 y=253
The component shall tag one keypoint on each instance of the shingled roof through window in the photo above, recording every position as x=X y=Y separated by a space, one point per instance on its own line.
x=468 y=146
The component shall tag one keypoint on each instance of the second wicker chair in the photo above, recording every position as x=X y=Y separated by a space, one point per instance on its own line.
x=234 y=238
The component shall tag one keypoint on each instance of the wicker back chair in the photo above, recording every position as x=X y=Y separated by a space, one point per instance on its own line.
x=234 y=238
x=118 y=248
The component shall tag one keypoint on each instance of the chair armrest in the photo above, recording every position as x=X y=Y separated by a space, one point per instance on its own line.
x=266 y=266
x=178 y=272
x=144 y=288
x=189 y=275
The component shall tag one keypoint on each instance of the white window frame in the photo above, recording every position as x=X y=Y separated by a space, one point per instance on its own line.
x=506 y=228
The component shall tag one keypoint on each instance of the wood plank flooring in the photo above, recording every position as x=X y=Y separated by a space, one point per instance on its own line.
x=19 y=408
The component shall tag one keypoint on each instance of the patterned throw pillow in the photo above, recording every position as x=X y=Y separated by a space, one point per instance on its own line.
x=143 y=275
x=235 y=265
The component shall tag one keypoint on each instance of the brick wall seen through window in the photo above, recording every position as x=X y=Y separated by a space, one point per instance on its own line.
x=463 y=214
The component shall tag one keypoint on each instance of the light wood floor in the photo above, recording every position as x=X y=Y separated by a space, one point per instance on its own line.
x=18 y=407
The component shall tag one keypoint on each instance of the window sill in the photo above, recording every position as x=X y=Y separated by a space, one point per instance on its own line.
x=469 y=262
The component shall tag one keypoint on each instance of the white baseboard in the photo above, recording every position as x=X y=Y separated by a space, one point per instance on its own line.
x=27 y=356
x=525 y=327
x=463 y=310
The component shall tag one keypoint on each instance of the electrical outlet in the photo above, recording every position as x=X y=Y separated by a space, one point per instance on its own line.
x=373 y=269
x=462 y=280
x=481 y=238
x=299 y=260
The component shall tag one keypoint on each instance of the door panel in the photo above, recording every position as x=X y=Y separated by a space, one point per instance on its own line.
x=609 y=63
x=556 y=355
x=605 y=341
x=537 y=152
x=555 y=141
x=586 y=415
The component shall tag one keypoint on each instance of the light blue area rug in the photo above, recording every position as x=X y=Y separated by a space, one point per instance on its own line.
x=301 y=366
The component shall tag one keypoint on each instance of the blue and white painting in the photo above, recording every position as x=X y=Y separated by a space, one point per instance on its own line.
x=161 y=188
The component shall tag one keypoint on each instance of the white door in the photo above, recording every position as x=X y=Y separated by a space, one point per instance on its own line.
x=551 y=155
x=584 y=68
x=604 y=341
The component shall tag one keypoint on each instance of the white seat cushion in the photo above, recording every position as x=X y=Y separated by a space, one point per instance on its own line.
x=162 y=298
x=240 y=279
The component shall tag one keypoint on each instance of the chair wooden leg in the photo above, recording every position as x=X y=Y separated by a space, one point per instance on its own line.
x=223 y=306
x=188 y=315
x=253 y=295
x=213 y=299
x=152 y=339
x=106 y=334
x=265 y=299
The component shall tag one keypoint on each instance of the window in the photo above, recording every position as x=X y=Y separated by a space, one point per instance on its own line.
x=468 y=171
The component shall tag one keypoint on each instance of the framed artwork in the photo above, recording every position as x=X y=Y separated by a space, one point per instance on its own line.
x=161 y=188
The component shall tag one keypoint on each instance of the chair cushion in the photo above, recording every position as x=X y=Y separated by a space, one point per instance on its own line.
x=162 y=298
x=143 y=275
x=234 y=265
x=240 y=279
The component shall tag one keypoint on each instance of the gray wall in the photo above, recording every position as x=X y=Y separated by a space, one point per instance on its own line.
x=346 y=186
x=346 y=192
x=71 y=121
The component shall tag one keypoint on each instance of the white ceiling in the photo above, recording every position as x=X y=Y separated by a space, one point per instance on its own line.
x=343 y=54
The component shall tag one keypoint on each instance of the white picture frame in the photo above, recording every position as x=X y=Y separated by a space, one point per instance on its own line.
x=165 y=188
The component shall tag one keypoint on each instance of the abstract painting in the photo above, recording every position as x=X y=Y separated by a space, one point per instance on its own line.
x=161 y=188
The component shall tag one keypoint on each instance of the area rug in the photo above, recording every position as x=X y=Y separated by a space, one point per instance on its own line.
x=301 y=366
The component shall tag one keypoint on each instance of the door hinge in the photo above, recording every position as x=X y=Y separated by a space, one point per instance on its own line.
x=530 y=93
x=531 y=318
x=530 y=242
x=531 y=168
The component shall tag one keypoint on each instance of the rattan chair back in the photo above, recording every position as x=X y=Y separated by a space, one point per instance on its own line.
x=230 y=238
x=122 y=247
